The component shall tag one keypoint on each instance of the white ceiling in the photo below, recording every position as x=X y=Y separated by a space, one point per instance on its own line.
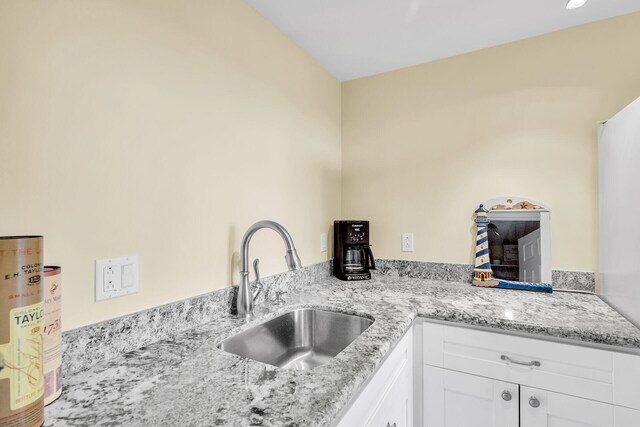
x=357 y=38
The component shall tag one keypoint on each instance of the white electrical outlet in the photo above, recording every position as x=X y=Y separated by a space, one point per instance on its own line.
x=323 y=242
x=111 y=275
x=116 y=277
x=407 y=242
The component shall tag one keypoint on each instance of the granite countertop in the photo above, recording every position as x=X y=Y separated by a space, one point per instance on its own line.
x=188 y=381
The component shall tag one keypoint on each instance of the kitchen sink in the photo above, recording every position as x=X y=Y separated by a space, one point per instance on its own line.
x=301 y=339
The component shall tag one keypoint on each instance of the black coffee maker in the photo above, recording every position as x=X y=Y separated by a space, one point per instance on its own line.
x=352 y=256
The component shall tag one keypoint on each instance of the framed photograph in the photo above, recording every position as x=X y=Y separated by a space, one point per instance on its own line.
x=511 y=253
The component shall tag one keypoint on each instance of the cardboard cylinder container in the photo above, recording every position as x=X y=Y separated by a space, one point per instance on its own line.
x=21 y=324
x=52 y=333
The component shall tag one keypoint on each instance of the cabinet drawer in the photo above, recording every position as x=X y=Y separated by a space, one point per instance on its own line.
x=596 y=374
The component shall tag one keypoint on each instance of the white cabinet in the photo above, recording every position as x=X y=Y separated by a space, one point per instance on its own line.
x=461 y=377
x=556 y=384
x=454 y=399
x=387 y=399
x=541 y=408
x=590 y=373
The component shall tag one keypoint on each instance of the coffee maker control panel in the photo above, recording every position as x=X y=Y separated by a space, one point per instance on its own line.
x=356 y=237
x=357 y=233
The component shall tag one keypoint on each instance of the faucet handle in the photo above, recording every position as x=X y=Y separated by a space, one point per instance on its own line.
x=259 y=284
x=256 y=270
x=279 y=300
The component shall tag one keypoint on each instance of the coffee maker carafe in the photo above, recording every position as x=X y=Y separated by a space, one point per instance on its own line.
x=352 y=256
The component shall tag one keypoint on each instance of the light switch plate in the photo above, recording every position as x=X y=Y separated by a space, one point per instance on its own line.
x=116 y=277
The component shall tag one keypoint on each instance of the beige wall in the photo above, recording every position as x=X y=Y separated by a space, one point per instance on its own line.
x=164 y=129
x=424 y=145
x=161 y=129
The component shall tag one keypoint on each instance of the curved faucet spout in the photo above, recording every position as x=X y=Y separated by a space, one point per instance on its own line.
x=245 y=296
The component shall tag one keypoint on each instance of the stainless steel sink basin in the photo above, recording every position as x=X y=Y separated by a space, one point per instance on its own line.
x=301 y=339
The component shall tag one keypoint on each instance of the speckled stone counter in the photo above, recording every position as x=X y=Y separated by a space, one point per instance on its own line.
x=186 y=380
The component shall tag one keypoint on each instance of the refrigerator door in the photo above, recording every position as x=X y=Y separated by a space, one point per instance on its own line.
x=619 y=211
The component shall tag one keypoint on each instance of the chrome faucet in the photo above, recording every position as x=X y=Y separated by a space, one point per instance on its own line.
x=245 y=296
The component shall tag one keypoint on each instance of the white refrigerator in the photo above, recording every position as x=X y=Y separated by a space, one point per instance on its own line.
x=619 y=211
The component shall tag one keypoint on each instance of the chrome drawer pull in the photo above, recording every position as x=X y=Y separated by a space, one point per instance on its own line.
x=506 y=395
x=391 y=425
x=510 y=360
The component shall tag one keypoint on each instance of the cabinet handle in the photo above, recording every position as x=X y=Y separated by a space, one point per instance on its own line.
x=506 y=395
x=517 y=362
x=534 y=402
x=391 y=425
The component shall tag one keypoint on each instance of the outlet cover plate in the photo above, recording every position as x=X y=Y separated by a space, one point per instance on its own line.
x=116 y=277
x=323 y=242
x=407 y=242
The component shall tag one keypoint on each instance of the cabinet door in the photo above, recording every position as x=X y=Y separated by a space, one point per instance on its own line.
x=396 y=409
x=455 y=399
x=540 y=408
x=388 y=397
